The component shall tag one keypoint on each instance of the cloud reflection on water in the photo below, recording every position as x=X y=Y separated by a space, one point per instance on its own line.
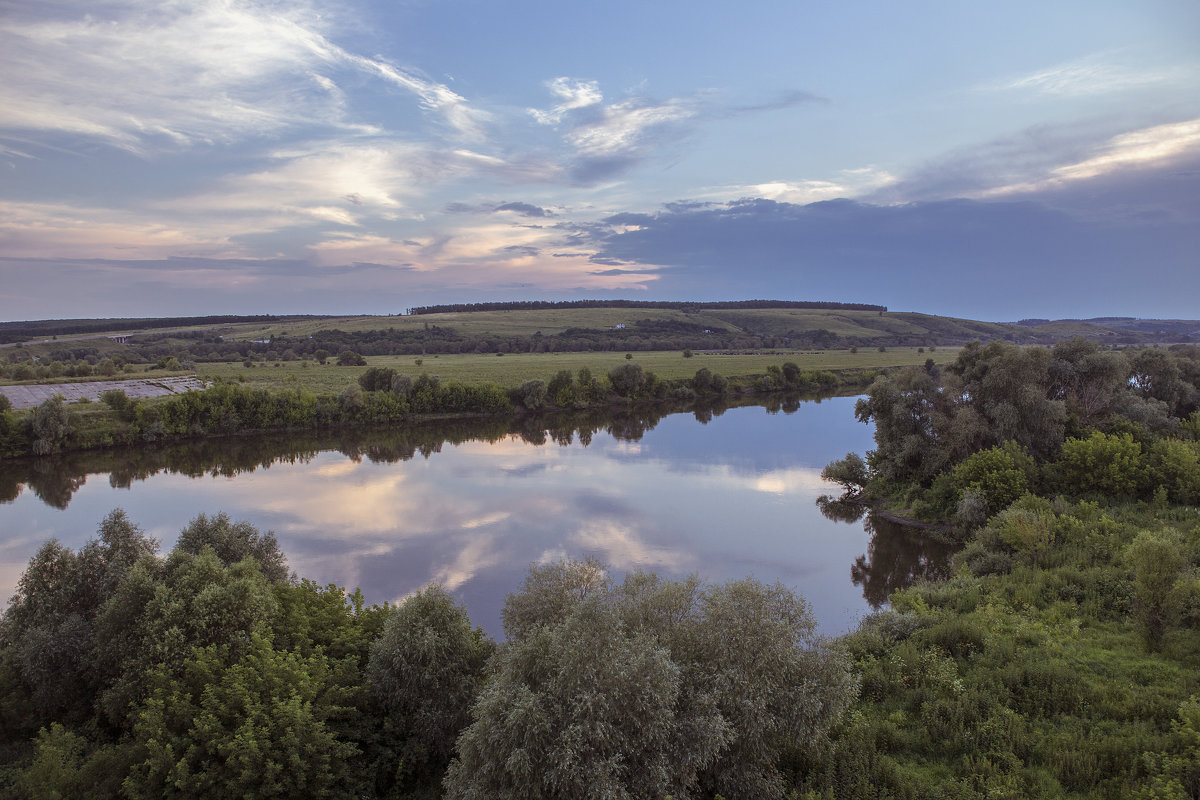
x=475 y=515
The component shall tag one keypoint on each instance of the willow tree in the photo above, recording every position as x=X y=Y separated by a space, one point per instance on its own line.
x=647 y=688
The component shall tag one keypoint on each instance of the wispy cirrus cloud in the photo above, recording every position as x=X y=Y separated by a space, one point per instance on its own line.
x=626 y=127
x=606 y=140
x=175 y=73
x=1100 y=73
x=573 y=94
x=357 y=178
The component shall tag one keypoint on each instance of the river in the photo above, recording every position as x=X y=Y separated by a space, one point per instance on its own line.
x=723 y=493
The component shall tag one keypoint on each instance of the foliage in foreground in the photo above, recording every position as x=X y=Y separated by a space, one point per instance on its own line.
x=648 y=688
x=1062 y=659
x=212 y=673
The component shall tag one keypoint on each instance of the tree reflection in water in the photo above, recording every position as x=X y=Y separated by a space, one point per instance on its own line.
x=55 y=479
x=897 y=555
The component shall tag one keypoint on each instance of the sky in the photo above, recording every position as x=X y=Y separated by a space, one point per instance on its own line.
x=986 y=160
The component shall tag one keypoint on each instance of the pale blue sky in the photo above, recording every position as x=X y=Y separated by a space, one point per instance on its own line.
x=990 y=160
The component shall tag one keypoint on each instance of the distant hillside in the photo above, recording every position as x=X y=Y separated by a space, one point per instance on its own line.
x=497 y=328
x=682 y=305
x=42 y=328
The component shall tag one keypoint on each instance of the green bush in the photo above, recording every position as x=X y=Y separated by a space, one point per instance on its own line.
x=627 y=380
x=377 y=379
x=1109 y=465
x=1027 y=526
x=532 y=393
x=1175 y=466
x=1158 y=559
x=50 y=424
x=1000 y=474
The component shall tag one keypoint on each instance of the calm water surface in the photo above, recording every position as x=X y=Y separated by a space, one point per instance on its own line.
x=730 y=496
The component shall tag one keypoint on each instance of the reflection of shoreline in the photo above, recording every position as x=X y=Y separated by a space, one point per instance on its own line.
x=55 y=479
x=897 y=557
x=726 y=499
x=899 y=553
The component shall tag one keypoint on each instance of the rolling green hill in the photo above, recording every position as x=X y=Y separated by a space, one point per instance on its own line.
x=486 y=329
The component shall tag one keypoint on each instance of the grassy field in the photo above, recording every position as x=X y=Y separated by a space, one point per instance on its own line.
x=512 y=369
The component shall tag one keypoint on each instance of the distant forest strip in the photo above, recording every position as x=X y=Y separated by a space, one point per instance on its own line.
x=538 y=305
x=638 y=336
x=33 y=329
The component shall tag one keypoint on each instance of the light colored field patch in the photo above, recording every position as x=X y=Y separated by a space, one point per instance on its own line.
x=36 y=394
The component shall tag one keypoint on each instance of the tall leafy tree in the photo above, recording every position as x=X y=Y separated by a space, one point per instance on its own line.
x=647 y=688
x=425 y=671
x=250 y=724
x=48 y=631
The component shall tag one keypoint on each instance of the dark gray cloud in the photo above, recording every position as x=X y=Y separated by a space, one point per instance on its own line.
x=194 y=286
x=589 y=170
x=1108 y=245
x=516 y=207
x=521 y=250
x=611 y=272
x=525 y=209
x=1032 y=154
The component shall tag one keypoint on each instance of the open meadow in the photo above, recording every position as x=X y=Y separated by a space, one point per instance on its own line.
x=512 y=369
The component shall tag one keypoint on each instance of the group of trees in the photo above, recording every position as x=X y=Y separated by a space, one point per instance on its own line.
x=1003 y=420
x=212 y=673
x=233 y=455
x=69 y=367
x=1058 y=656
x=381 y=395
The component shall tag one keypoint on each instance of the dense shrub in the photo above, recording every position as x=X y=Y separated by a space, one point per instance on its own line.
x=377 y=379
x=627 y=380
x=1103 y=464
x=50 y=424
x=637 y=690
x=1175 y=466
x=532 y=393
x=349 y=358
x=999 y=474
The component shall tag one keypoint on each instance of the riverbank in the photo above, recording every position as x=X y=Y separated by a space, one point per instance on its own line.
x=1059 y=658
x=381 y=396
